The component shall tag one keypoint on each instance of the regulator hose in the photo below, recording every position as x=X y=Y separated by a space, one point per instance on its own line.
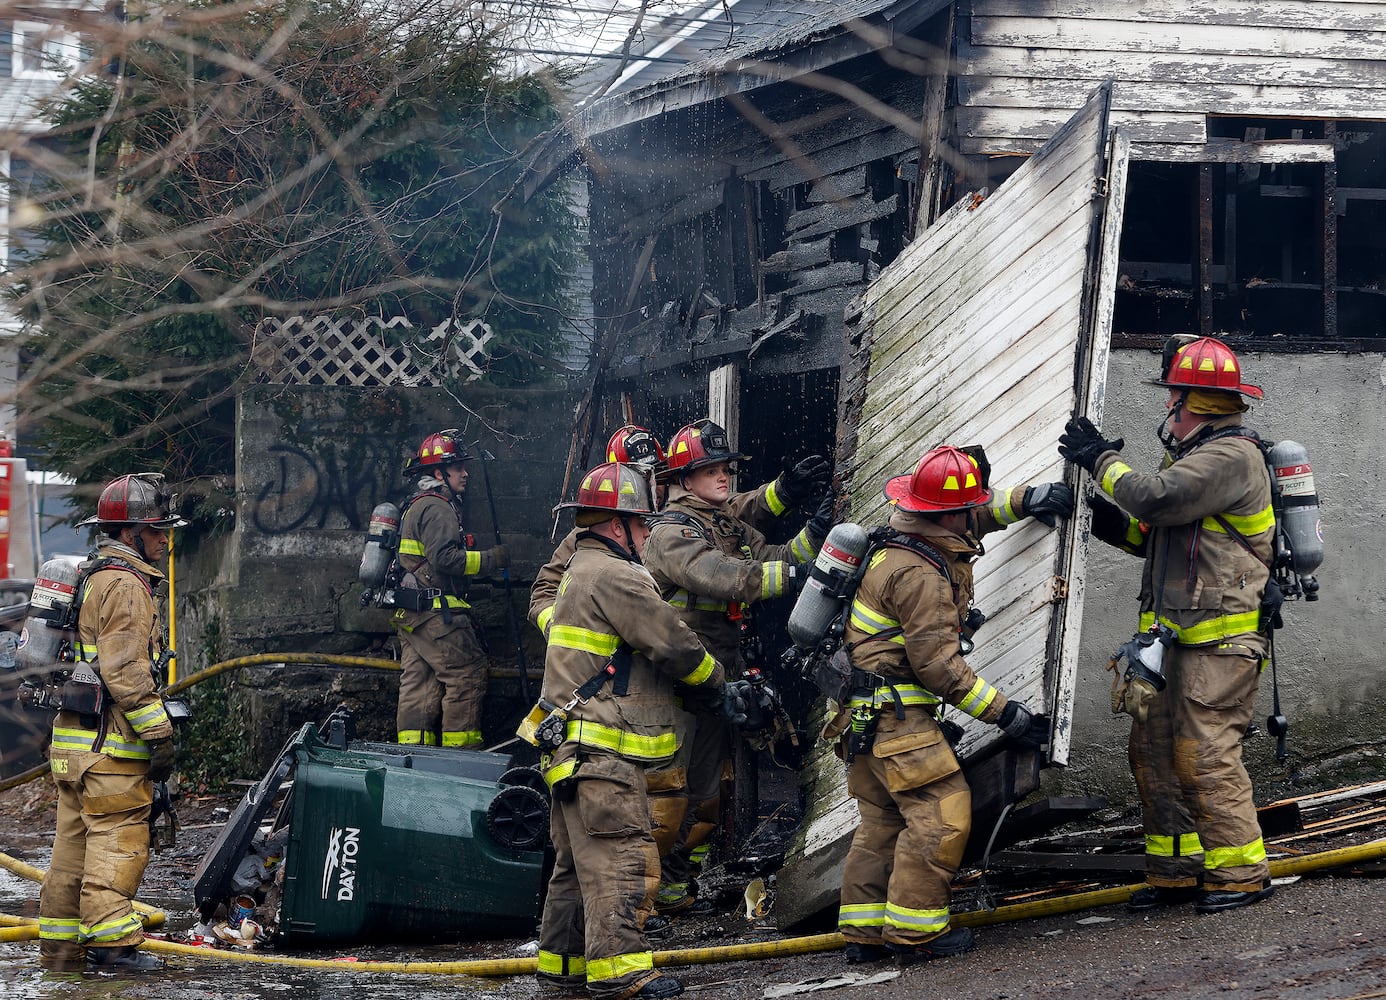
x=1337 y=858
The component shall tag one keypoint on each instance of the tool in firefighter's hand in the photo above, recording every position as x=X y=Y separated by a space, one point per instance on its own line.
x=485 y=456
x=1144 y=676
x=973 y=621
x=1047 y=502
x=163 y=818
x=766 y=717
x=1083 y=444
x=1027 y=728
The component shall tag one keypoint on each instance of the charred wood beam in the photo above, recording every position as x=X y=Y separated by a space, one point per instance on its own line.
x=823 y=219
x=840 y=273
x=800 y=255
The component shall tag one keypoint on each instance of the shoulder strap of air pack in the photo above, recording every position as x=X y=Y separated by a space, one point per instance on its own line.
x=679 y=517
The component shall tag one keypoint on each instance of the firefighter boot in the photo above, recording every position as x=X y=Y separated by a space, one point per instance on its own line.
x=861 y=952
x=658 y=988
x=1155 y=897
x=953 y=942
x=127 y=958
x=1217 y=900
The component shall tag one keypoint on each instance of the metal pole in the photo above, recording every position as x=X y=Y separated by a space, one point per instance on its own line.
x=485 y=457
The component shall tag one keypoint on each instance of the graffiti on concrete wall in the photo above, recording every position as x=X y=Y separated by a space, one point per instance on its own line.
x=332 y=487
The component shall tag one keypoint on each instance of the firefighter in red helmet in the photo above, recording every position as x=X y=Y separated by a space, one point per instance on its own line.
x=1204 y=526
x=111 y=748
x=442 y=665
x=615 y=650
x=905 y=636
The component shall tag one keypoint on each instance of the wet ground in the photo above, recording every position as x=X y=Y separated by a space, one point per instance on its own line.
x=1320 y=937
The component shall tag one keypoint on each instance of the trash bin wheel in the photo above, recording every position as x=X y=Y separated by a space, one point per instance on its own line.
x=518 y=818
x=528 y=777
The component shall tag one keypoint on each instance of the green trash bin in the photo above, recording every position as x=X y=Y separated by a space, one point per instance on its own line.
x=410 y=843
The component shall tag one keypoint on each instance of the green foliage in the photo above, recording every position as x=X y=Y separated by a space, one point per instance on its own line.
x=282 y=159
x=212 y=749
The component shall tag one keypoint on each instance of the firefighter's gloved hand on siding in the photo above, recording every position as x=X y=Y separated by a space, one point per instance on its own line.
x=1083 y=444
x=736 y=700
x=1027 y=728
x=803 y=480
x=1047 y=502
x=163 y=754
x=822 y=521
x=494 y=559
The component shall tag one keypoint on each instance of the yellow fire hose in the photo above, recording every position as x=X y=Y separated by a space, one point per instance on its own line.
x=1280 y=867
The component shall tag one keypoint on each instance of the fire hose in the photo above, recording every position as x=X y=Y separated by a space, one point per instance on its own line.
x=1281 y=867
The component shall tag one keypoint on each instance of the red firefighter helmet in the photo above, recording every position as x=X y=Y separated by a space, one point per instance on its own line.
x=137 y=499
x=1205 y=363
x=614 y=487
x=696 y=445
x=635 y=445
x=946 y=479
x=438 y=451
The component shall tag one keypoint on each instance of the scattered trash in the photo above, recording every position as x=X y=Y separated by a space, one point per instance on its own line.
x=528 y=948
x=755 y=899
x=1286 y=880
x=828 y=983
x=1095 y=920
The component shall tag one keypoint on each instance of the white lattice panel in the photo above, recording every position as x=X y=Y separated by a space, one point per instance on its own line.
x=323 y=350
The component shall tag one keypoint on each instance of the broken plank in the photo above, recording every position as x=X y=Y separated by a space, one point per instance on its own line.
x=829 y=218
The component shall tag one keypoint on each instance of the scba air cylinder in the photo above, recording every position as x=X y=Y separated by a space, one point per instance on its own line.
x=821 y=599
x=1299 y=503
x=381 y=537
x=40 y=642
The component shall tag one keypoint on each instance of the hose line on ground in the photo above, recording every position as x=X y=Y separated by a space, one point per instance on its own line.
x=1281 y=867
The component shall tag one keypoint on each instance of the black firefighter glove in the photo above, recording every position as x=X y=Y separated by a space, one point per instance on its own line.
x=1028 y=729
x=1109 y=522
x=1083 y=444
x=737 y=698
x=1047 y=502
x=822 y=521
x=803 y=480
x=162 y=756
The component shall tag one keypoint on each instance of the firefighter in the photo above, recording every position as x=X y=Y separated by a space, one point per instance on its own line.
x=761 y=508
x=105 y=763
x=1204 y=526
x=615 y=650
x=904 y=637
x=713 y=566
x=442 y=665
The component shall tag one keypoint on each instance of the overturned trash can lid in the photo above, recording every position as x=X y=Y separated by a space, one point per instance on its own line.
x=390 y=842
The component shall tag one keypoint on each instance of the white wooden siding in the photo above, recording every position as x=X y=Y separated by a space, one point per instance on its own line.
x=1024 y=65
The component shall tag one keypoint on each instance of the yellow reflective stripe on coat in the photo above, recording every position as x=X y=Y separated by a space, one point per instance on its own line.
x=633 y=745
x=928 y=921
x=59 y=929
x=619 y=965
x=584 y=640
x=978 y=699
x=1247 y=524
x=462 y=738
x=773 y=500
x=83 y=740
x=449 y=601
x=542 y=620
x=1184 y=846
x=472 y=566
x=772 y=578
x=411 y=547
x=910 y=694
x=112 y=930
x=84 y=652
x=1003 y=507
x=803 y=547
x=560 y=772
x=861 y=915
x=562 y=965
x=1113 y=476
x=1233 y=857
x=1212 y=630
x=867 y=619
x=699 y=673
x=682 y=600
x=144 y=719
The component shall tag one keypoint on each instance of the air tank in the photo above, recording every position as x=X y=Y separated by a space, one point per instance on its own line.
x=821 y=600
x=1299 y=511
x=48 y=624
x=382 y=536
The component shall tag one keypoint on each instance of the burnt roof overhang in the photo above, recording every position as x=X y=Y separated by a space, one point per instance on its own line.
x=813 y=44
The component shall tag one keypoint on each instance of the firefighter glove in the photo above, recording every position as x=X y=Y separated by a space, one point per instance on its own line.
x=803 y=480
x=1025 y=727
x=162 y=755
x=822 y=521
x=1109 y=522
x=494 y=559
x=1048 y=502
x=737 y=697
x=1083 y=444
